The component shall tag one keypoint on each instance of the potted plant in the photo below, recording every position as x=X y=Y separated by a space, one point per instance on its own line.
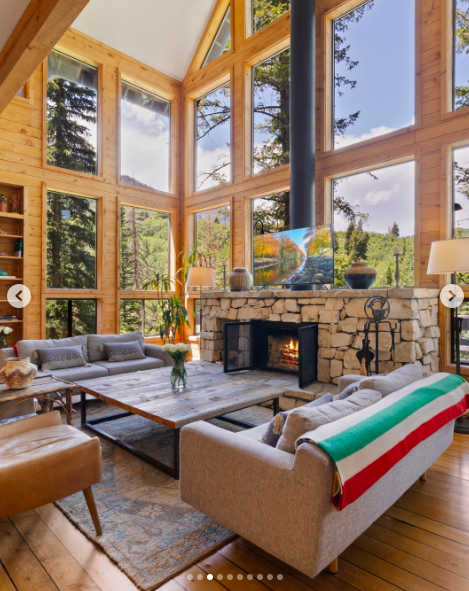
x=4 y=332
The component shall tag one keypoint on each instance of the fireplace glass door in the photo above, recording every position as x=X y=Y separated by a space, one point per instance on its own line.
x=238 y=346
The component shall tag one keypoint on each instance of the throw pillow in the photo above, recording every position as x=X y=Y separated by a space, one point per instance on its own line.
x=124 y=351
x=301 y=420
x=61 y=357
x=397 y=379
x=275 y=426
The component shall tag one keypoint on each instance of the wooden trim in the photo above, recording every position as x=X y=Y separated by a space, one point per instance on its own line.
x=42 y=24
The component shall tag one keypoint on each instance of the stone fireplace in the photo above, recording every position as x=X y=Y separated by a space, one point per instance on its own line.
x=340 y=318
x=285 y=347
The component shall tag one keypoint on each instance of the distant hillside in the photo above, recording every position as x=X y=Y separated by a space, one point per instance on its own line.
x=125 y=178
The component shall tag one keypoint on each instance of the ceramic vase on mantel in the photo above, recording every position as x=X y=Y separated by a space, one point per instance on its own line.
x=18 y=373
x=240 y=279
x=360 y=276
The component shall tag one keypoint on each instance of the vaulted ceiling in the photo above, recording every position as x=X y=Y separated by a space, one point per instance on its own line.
x=163 y=34
x=10 y=13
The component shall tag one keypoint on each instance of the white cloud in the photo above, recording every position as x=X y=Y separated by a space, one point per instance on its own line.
x=375 y=197
x=349 y=139
x=207 y=159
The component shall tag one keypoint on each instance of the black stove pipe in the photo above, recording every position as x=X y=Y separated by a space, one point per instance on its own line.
x=302 y=116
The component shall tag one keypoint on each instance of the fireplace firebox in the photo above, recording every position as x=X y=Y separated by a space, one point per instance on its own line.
x=272 y=346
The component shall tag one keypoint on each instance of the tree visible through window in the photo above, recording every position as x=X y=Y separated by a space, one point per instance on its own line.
x=266 y=11
x=144 y=245
x=213 y=138
x=212 y=239
x=382 y=216
x=271 y=112
x=142 y=315
x=70 y=318
x=71 y=241
x=222 y=42
x=461 y=200
x=72 y=113
x=145 y=138
x=271 y=214
x=374 y=78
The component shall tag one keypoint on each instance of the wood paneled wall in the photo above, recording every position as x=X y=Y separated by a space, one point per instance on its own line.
x=23 y=162
x=428 y=142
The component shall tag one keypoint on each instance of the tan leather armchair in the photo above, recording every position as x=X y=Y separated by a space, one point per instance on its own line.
x=42 y=461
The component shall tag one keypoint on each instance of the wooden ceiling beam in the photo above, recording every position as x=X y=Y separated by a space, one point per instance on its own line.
x=41 y=26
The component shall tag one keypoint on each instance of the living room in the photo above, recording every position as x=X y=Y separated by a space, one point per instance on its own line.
x=234 y=321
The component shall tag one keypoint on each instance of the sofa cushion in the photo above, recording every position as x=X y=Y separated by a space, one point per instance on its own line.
x=397 y=379
x=61 y=357
x=303 y=419
x=96 y=350
x=79 y=374
x=346 y=392
x=123 y=351
x=114 y=368
x=256 y=433
x=274 y=428
x=29 y=348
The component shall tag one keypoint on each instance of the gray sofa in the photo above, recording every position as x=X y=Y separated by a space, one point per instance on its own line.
x=97 y=364
x=281 y=502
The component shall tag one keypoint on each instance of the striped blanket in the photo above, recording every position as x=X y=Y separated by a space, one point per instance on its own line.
x=364 y=446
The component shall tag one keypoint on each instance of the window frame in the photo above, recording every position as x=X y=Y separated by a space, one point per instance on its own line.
x=173 y=132
x=100 y=67
x=249 y=19
x=192 y=153
x=327 y=140
x=214 y=37
x=59 y=188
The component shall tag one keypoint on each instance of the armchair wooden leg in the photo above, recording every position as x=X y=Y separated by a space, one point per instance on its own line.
x=334 y=566
x=92 y=509
x=423 y=477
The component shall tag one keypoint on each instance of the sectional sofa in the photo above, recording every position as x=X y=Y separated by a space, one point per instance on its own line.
x=94 y=353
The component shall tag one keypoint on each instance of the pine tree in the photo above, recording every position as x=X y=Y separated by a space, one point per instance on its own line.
x=394 y=231
x=71 y=108
x=389 y=276
x=358 y=243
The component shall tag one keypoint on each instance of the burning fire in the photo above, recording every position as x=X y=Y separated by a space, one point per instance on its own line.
x=289 y=354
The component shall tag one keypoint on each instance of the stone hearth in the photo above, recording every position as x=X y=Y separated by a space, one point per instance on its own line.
x=341 y=318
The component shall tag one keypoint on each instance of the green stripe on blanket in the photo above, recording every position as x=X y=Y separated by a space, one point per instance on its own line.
x=355 y=438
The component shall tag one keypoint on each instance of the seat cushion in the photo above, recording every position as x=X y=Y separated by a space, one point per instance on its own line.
x=40 y=466
x=115 y=368
x=96 y=342
x=79 y=374
x=29 y=348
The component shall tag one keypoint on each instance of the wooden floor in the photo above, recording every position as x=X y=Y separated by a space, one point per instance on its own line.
x=420 y=544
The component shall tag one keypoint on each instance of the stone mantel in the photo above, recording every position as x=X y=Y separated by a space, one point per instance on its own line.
x=341 y=318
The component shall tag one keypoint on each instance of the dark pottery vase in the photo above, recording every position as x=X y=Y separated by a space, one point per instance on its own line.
x=360 y=276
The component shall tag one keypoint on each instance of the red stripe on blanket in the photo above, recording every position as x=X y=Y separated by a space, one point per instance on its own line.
x=353 y=488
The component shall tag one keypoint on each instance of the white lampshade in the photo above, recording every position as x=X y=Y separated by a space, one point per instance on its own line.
x=449 y=256
x=201 y=277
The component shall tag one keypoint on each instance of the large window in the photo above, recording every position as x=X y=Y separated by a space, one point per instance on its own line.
x=375 y=212
x=71 y=241
x=461 y=54
x=144 y=245
x=143 y=315
x=374 y=78
x=461 y=200
x=266 y=11
x=212 y=240
x=70 y=318
x=145 y=138
x=72 y=113
x=213 y=138
x=222 y=42
x=271 y=214
x=271 y=112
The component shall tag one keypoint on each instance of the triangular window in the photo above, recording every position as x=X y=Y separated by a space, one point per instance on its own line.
x=222 y=42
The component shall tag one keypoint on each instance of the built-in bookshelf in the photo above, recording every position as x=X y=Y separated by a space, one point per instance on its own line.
x=13 y=207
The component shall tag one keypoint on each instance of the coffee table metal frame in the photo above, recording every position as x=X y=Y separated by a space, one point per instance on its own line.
x=173 y=470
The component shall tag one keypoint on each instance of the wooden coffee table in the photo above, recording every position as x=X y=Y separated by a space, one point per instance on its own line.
x=210 y=393
x=42 y=387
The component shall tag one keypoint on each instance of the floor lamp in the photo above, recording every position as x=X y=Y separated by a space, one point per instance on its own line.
x=451 y=257
x=201 y=277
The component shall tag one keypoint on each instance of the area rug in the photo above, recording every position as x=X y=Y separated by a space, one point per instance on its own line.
x=147 y=530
